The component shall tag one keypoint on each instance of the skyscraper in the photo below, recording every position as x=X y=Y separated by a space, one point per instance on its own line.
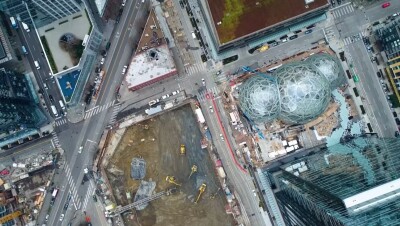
x=42 y=11
x=356 y=182
x=20 y=115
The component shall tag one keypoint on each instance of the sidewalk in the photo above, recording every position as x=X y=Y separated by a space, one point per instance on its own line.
x=77 y=113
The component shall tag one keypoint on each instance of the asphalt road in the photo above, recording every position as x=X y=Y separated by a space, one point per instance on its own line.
x=88 y=133
x=31 y=42
x=376 y=104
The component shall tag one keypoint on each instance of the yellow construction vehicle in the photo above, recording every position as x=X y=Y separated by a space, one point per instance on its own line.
x=183 y=149
x=172 y=180
x=194 y=170
x=10 y=216
x=202 y=189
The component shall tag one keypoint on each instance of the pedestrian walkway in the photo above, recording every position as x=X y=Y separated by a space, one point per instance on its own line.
x=89 y=194
x=72 y=188
x=330 y=33
x=61 y=121
x=354 y=38
x=56 y=142
x=99 y=108
x=202 y=96
x=342 y=10
x=195 y=68
x=114 y=114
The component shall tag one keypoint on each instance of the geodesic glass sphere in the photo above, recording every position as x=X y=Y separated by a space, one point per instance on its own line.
x=259 y=98
x=304 y=92
x=330 y=67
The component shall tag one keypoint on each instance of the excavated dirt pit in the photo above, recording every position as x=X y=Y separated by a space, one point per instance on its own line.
x=157 y=141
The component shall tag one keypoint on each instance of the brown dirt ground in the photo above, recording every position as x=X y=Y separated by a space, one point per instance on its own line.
x=258 y=17
x=162 y=156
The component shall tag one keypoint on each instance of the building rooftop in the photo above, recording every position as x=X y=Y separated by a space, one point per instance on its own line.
x=389 y=37
x=152 y=60
x=152 y=35
x=149 y=65
x=241 y=18
x=356 y=181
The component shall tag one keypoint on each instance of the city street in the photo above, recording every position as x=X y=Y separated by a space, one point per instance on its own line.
x=88 y=132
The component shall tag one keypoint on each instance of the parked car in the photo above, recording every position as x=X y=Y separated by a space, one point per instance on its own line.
x=395 y=114
x=378 y=74
x=293 y=37
x=308 y=31
x=274 y=44
x=397 y=121
x=62 y=217
x=396 y=134
x=386 y=4
x=102 y=61
x=124 y=69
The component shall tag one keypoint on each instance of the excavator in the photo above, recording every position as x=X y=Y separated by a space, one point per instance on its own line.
x=194 y=170
x=172 y=180
x=202 y=189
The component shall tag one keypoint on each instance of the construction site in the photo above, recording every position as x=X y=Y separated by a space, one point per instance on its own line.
x=161 y=167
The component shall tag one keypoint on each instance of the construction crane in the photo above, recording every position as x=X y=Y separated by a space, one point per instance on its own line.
x=194 y=170
x=202 y=189
x=172 y=180
x=122 y=209
x=10 y=217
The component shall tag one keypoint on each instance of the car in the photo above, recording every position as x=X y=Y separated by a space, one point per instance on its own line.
x=102 y=61
x=66 y=205
x=386 y=4
x=94 y=198
x=211 y=109
x=45 y=86
x=378 y=74
x=274 y=44
x=62 y=217
x=203 y=81
x=174 y=93
x=47 y=217
x=80 y=149
x=255 y=193
x=123 y=2
x=152 y=102
x=395 y=114
x=165 y=96
x=218 y=72
x=51 y=98
x=395 y=14
x=123 y=70
x=396 y=134
x=86 y=170
x=293 y=37
x=308 y=31
x=284 y=40
x=397 y=121
x=222 y=136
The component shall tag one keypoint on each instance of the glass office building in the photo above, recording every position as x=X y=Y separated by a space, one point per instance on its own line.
x=353 y=183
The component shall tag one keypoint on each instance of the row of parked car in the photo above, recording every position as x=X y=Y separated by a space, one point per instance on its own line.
x=156 y=101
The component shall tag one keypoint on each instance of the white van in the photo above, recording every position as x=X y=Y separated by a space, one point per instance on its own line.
x=193 y=35
x=61 y=104
x=36 y=64
x=54 y=110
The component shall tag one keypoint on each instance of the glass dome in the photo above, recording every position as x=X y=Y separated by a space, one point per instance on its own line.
x=304 y=92
x=296 y=93
x=330 y=67
x=259 y=98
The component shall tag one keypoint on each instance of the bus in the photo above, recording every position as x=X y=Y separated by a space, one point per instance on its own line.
x=54 y=194
x=13 y=22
